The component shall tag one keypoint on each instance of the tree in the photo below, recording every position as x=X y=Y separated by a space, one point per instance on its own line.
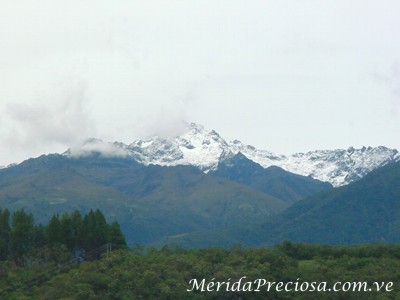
x=21 y=238
x=71 y=228
x=94 y=230
x=53 y=231
x=117 y=239
x=39 y=236
x=4 y=233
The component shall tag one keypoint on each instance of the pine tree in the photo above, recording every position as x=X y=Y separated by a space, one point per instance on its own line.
x=21 y=238
x=66 y=231
x=94 y=230
x=39 y=236
x=117 y=239
x=4 y=233
x=53 y=231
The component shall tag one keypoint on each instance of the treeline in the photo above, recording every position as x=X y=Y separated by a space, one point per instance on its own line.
x=302 y=251
x=21 y=240
x=148 y=273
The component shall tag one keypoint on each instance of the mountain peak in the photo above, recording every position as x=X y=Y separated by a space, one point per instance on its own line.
x=205 y=149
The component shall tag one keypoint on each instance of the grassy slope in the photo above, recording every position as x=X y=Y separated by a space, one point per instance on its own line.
x=149 y=202
x=363 y=212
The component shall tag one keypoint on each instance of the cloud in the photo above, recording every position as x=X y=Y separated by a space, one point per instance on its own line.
x=259 y=71
x=90 y=146
x=390 y=77
x=173 y=116
x=57 y=117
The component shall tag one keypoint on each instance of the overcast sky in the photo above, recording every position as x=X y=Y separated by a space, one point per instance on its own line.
x=286 y=76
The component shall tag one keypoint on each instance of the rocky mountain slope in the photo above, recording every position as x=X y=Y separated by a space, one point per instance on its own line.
x=205 y=149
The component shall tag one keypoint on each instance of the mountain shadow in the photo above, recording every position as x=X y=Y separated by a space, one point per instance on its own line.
x=273 y=180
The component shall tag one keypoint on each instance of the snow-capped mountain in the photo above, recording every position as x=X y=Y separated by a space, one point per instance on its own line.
x=339 y=167
x=198 y=147
x=205 y=149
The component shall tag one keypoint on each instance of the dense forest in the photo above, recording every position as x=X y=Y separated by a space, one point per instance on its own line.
x=166 y=273
x=24 y=242
x=84 y=257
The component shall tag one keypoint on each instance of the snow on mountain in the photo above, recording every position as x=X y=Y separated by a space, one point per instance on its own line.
x=197 y=147
x=205 y=149
x=339 y=167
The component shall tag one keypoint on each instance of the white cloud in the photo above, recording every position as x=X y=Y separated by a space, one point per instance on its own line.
x=53 y=119
x=88 y=147
x=283 y=75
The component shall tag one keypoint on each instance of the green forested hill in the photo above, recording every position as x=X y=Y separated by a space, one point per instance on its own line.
x=366 y=211
x=150 y=202
x=166 y=273
x=182 y=205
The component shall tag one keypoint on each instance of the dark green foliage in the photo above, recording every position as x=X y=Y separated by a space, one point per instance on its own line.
x=116 y=236
x=302 y=251
x=39 y=236
x=165 y=273
x=5 y=232
x=366 y=211
x=22 y=235
x=95 y=231
x=73 y=227
x=24 y=241
x=53 y=231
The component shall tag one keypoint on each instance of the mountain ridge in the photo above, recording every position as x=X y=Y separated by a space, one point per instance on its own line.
x=272 y=180
x=205 y=149
x=363 y=212
x=149 y=202
x=183 y=204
